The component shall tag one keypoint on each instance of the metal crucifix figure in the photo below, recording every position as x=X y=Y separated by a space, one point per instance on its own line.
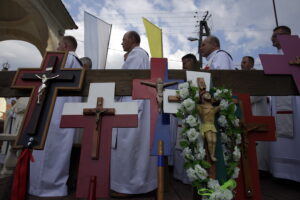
x=43 y=86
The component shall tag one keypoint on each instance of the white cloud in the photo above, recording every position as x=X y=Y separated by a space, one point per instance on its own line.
x=244 y=27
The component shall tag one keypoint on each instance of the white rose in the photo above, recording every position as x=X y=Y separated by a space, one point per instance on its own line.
x=236 y=154
x=238 y=139
x=187 y=153
x=221 y=195
x=217 y=94
x=224 y=104
x=201 y=154
x=191 y=174
x=235 y=173
x=183 y=85
x=224 y=137
x=191 y=121
x=189 y=104
x=183 y=93
x=222 y=120
x=192 y=134
x=236 y=122
x=200 y=172
x=213 y=184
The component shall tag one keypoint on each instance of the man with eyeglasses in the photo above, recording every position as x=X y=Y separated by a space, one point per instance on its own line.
x=284 y=160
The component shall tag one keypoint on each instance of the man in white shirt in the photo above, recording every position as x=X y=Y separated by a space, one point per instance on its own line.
x=284 y=157
x=50 y=171
x=216 y=58
x=133 y=170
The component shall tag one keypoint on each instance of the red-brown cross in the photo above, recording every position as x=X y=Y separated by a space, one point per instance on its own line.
x=287 y=63
x=37 y=118
x=256 y=128
x=99 y=168
x=140 y=91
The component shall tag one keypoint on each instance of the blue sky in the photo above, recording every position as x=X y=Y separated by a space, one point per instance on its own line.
x=244 y=27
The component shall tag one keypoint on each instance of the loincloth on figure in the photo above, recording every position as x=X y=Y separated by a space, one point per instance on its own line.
x=207 y=127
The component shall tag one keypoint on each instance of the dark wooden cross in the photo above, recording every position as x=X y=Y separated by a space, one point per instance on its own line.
x=44 y=84
x=284 y=64
x=99 y=112
x=255 y=128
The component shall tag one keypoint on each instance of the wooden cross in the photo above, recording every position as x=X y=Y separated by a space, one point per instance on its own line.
x=36 y=121
x=99 y=111
x=255 y=128
x=125 y=116
x=287 y=63
x=142 y=91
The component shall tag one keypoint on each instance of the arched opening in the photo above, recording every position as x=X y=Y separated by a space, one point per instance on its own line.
x=19 y=54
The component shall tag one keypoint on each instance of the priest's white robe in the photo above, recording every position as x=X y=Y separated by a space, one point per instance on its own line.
x=50 y=171
x=284 y=155
x=133 y=170
x=261 y=107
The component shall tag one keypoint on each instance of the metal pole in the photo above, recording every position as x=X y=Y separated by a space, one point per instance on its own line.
x=160 y=171
x=275 y=13
x=199 y=43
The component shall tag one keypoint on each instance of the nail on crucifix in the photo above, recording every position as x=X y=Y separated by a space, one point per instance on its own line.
x=99 y=111
x=45 y=83
x=125 y=116
x=286 y=64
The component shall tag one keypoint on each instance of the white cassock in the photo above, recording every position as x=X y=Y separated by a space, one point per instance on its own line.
x=284 y=154
x=219 y=59
x=260 y=107
x=133 y=170
x=18 y=111
x=7 y=128
x=50 y=171
x=179 y=172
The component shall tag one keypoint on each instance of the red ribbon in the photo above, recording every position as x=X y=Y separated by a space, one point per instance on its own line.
x=19 y=187
x=206 y=67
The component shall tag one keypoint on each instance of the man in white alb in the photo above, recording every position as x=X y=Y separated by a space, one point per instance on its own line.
x=50 y=171
x=133 y=170
x=216 y=58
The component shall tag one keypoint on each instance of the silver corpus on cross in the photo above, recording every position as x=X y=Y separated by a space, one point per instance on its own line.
x=43 y=86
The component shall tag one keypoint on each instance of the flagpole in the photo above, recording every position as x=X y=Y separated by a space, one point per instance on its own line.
x=275 y=13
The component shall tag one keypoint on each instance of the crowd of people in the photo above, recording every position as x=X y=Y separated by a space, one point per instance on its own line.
x=133 y=170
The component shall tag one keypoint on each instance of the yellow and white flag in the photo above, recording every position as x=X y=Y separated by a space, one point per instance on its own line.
x=154 y=35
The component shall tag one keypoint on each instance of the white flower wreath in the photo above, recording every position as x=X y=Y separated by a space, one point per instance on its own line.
x=192 y=142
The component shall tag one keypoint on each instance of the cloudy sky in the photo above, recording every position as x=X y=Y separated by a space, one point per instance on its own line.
x=243 y=26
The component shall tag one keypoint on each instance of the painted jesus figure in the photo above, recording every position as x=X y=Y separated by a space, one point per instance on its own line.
x=208 y=130
x=159 y=85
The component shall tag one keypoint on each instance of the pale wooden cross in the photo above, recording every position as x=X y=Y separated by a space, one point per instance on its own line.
x=99 y=111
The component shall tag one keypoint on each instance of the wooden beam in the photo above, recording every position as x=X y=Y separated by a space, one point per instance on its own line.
x=7 y=137
x=253 y=82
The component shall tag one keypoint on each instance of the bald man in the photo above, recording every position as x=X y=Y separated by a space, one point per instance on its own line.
x=216 y=58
